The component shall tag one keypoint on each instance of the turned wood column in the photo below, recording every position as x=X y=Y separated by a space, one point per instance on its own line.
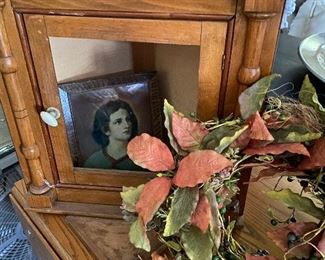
x=29 y=148
x=250 y=70
x=258 y=13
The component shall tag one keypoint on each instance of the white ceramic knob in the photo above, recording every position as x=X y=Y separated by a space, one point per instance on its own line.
x=50 y=116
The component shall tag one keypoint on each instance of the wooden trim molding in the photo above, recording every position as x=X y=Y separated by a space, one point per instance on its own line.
x=30 y=150
x=170 y=7
x=134 y=30
x=213 y=41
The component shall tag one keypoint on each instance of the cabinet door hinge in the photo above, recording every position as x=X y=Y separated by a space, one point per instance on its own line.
x=223 y=61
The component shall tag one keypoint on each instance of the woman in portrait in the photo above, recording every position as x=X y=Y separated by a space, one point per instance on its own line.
x=114 y=125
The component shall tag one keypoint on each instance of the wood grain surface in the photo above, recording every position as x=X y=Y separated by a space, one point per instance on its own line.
x=42 y=57
x=213 y=41
x=29 y=148
x=257 y=222
x=107 y=238
x=23 y=78
x=131 y=30
x=223 y=7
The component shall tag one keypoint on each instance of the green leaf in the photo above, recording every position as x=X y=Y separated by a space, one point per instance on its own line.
x=251 y=99
x=215 y=224
x=168 y=112
x=173 y=245
x=138 y=236
x=294 y=200
x=182 y=207
x=170 y=243
x=197 y=245
x=130 y=196
x=231 y=227
x=220 y=138
x=294 y=134
x=308 y=96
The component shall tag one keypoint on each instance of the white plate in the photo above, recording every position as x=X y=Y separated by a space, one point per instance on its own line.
x=312 y=53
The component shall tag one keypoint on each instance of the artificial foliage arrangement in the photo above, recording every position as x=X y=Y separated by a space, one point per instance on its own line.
x=185 y=205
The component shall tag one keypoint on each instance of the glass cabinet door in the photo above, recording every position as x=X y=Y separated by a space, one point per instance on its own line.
x=103 y=75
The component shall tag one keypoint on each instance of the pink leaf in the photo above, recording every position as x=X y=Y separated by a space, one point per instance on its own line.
x=317 y=156
x=198 y=166
x=275 y=149
x=280 y=236
x=153 y=195
x=252 y=257
x=202 y=214
x=188 y=134
x=258 y=129
x=150 y=153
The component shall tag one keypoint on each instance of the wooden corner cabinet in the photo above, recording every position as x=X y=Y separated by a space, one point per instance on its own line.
x=205 y=53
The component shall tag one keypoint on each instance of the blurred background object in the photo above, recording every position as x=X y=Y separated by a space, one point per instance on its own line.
x=309 y=20
x=312 y=54
x=297 y=24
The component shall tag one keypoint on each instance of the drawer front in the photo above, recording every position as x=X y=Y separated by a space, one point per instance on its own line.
x=40 y=246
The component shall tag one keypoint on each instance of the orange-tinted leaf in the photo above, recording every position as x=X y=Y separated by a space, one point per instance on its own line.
x=153 y=195
x=275 y=149
x=317 y=156
x=258 y=129
x=150 y=153
x=275 y=172
x=188 y=134
x=156 y=256
x=252 y=257
x=198 y=166
x=280 y=236
x=202 y=214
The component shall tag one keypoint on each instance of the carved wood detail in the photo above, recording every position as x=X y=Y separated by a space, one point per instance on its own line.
x=259 y=13
x=30 y=150
x=250 y=70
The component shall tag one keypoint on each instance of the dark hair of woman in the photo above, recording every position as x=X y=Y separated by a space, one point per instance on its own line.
x=102 y=119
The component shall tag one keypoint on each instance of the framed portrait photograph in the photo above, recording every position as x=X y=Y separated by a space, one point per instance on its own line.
x=103 y=114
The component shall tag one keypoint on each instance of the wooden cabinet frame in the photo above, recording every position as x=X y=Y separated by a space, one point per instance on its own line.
x=231 y=35
x=237 y=40
x=209 y=36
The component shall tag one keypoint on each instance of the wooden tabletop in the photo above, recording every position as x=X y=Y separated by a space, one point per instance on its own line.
x=257 y=222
